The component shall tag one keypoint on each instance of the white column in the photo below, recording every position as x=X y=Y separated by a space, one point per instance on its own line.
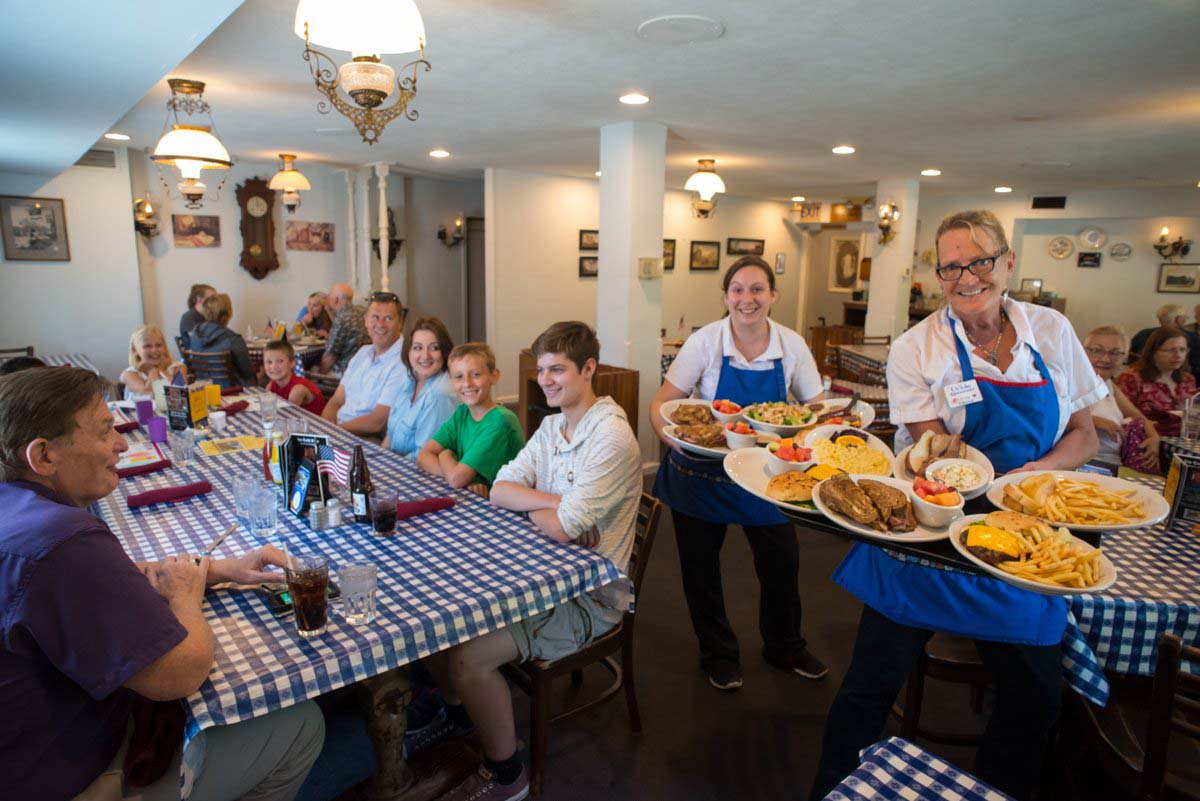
x=629 y=309
x=352 y=248
x=381 y=171
x=362 y=221
x=891 y=264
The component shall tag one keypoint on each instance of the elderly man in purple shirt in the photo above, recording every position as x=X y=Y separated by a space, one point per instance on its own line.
x=83 y=628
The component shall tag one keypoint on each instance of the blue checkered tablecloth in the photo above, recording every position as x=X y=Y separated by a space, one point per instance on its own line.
x=69 y=359
x=897 y=770
x=443 y=578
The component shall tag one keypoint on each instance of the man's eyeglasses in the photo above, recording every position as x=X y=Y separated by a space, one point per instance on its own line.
x=1100 y=353
x=979 y=267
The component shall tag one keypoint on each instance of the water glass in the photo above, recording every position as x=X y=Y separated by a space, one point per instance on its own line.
x=268 y=404
x=263 y=513
x=358 y=592
x=182 y=443
x=243 y=491
x=216 y=421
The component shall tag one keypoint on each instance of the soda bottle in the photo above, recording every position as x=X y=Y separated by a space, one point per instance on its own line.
x=360 y=487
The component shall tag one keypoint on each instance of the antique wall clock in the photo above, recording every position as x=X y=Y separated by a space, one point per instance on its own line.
x=258 y=227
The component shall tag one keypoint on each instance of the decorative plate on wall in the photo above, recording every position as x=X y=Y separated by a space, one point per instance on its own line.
x=1092 y=238
x=1060 y=247
x=1120 y=251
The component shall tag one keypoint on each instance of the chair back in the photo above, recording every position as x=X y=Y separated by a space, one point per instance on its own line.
x=1174 y=708
x=8 y=353
x=215 y=366
x=872 y=376
x=884 y=339
x=182 y=348
x=649 y=510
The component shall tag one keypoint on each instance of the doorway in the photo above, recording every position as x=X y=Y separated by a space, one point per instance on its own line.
x=475 y=285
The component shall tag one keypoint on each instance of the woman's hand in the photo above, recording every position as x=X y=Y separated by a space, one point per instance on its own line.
x=1113 y=429
x=248 y=568
x=1150 y=450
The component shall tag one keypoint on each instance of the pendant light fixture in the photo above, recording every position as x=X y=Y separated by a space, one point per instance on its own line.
x=706 y=184
x=290 y=181
x=189 y=146
x=368 y=30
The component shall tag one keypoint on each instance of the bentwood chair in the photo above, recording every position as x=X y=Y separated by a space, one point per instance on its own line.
x=536 y=677
x=947 y=658
x=216 y=366
x=9 y=353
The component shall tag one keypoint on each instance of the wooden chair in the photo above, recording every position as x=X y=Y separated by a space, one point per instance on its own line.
x=326 y=382
x=216 y=366
x=8 y=353
x=179 y=346
x=536 y=677
x=947 y=658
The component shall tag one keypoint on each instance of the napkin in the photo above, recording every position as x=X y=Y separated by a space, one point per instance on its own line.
x=232 y=390
x=407 y=509
x=234 y=408
x=841 y=390
x=168 y=494
x=125 y=428
x=142 y=469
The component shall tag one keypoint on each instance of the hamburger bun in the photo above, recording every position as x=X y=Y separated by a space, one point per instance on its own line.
x=1011 y=521
x=791 y=487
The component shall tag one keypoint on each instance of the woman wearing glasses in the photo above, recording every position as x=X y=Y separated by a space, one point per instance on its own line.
x=1133 y=443
x=1159 y=383
x=1014 y=381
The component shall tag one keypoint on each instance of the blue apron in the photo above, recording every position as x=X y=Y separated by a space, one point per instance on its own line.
x=1013 y=424
x=698 y=487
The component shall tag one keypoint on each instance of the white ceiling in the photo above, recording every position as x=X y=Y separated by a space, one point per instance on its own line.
x=528 y=83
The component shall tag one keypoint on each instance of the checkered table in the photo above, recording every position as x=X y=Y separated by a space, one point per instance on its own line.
x=70 y=360
x=1169 y=446
x=895 y=769
x=443 y=578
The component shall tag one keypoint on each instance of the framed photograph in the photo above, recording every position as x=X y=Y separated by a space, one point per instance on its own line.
x=745 y=247
x=780 y=260
x=1087 y=259
x=845 y=212
x=845 y=252
x=196 y=230
x=589 y=240
x=705 y=256
x=589 y=266
x=1183 y=278
x=311 y=236
x=34 y=228
x=1031 y=285
x=668 y=254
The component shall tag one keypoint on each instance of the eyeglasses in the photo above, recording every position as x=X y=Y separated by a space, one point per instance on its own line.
x=1100 y=353
x=979 y=267
x=384 y=297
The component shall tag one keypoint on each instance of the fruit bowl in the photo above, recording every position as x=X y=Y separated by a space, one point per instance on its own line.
x=725 y=416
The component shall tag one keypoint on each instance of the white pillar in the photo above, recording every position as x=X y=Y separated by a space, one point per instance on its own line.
x=629 y=309
x=362 y=221
x=352 y=246
x=381 y=171
x=891 y=264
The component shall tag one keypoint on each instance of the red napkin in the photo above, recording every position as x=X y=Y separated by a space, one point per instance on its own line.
x=232 y=390
x=234 y=408
x=125 y=428
x=142 y=469
x=168 y=494
x=409 y=509
x=841 y=390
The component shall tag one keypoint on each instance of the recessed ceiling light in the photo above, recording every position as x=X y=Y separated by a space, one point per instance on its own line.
x=931 y=173
x=843 y=150
x=634 y=99
x=119 y=137
x=798 y=199
x=597 y=173
x=1003 y=189
x=439 y=153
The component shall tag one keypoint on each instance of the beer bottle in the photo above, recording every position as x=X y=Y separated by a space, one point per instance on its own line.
x=360 y=487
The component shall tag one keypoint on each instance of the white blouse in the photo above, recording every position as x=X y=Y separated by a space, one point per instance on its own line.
x=924 y=361
x=1110 y=446
x=697 y=368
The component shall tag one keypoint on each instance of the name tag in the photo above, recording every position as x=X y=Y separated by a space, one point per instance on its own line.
x=963 y=393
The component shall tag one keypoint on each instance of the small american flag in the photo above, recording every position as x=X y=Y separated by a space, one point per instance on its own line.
x=334 y=462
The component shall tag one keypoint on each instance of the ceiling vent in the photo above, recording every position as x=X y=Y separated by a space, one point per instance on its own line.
x=96 y=157
x=1050 y=201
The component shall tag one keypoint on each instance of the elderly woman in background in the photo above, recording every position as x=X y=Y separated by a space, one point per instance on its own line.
x=149 y=360
x=1159 y=383
x=1106 y=347
x=213 y=335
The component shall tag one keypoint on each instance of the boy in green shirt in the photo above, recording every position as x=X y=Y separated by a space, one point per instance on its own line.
x=481 y=436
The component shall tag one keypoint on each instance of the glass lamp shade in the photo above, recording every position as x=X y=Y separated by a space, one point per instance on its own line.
x=187 y=146
x=705 y=183
x=289 y=181
x=367 y=80
x=362 y=26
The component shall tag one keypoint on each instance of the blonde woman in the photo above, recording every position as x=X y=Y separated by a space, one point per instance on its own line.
x=149 y=360
x=1106 y=348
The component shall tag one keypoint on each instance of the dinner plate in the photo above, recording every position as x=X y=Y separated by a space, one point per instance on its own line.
x=919 y=534
x=1156 y=505
x=900 y=468
x=874 y=442
x=865 y=411
x=1108 y=572
x=747 y=468
x=668 y=408
x=699 y=450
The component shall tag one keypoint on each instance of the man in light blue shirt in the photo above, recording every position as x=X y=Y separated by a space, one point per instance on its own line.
x=361 y=403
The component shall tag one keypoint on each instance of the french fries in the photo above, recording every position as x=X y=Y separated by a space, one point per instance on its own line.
x=1055 y=558
x=1072 y=501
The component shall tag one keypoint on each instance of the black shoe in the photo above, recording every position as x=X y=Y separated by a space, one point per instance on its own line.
x=727 y=678
x=809 y=666
x=424 y=708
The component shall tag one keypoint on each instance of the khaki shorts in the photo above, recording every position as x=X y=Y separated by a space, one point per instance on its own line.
x=562 y=630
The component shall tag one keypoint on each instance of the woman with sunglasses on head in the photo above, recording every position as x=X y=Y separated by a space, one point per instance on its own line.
x=1014 y=381
x=1159 y=383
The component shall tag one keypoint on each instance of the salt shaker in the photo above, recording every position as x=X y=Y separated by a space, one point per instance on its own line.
x=333 y=513
x=317 y=518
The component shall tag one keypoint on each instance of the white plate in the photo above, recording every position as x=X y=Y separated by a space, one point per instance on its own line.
x=1092 y=238
x=1108 y=573
x=918 y=534
x=772 y=428
x=1156 y=505
x=866 y=412
x=700 y=450
x=827 y=431
x=668 y=408
x=900 y=468
x=748 y=469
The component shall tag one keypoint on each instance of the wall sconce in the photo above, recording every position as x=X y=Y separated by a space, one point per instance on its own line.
x=143 y=218
x=888 y=216
x=451 y=237
x=706 y=184
x=1172 y=250
x=394 y=242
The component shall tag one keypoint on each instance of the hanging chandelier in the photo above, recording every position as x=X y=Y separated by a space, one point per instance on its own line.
x=188 y=146
x=368 y=30
x=290 y=181
x=706 y=184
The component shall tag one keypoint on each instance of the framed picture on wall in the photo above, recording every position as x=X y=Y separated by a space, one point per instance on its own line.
x=196 y=230
x=668 y=254
x=1087 y=259
x=705 y=256
x=589 y=266
x=311 y=236
x=745 y=247
x=845 y=252
x=1031 y=285
x=589 y=240
x=1182 y=278
x=34 y=228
